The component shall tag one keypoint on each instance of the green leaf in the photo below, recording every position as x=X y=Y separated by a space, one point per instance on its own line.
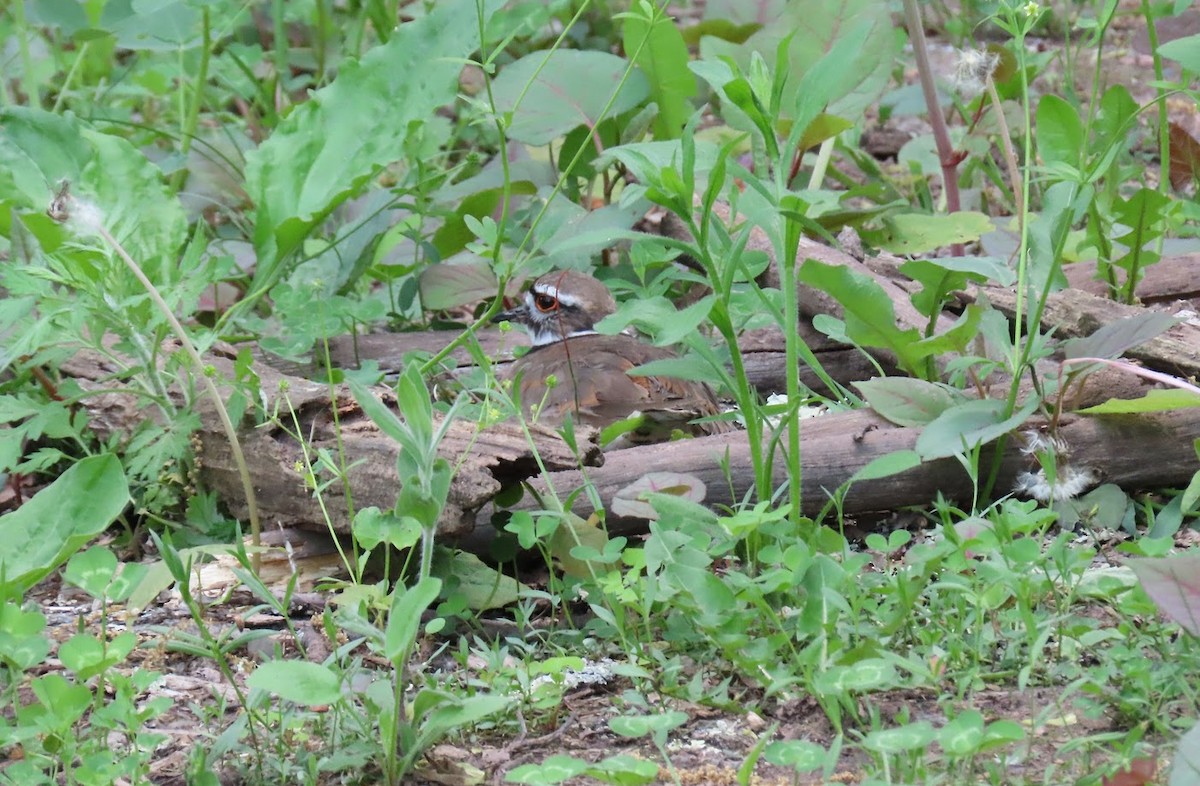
x=555 y=769
x=659 y=50
x=624 y=770
x=658 y=317
x=1185 y=51
x=297 y=681
x=1153 y=401
x=44 y=532
x=373 y=526
x=905 y=738
x=92 y=570
x=641 y=725
x=550 y=93
x=1185 y=768
x=1060 y=133
x=38 y=150
x=965 y=426
x=482 y=586
x=460 y=714
x=1174 y=585
x=800 y=755
x=870 y=320
x=963 y=735
x=919 y=233
x=404 y=618
x=906 y=401
x=887 y=465
x=859 y=35
x=330 y=146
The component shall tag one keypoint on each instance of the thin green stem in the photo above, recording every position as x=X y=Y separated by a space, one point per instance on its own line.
x=235 y=445
x=191 y=119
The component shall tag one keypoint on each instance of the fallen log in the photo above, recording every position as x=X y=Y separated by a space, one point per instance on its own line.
x=1134 y=452
x=486 y=460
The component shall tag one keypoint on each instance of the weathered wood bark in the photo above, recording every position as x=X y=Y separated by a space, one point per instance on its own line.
x=1171 y=278
x=486 y=460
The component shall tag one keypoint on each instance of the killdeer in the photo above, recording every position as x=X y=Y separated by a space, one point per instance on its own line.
x=560 y=311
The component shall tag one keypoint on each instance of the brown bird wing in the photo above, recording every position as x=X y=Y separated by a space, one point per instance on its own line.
x=592 y=380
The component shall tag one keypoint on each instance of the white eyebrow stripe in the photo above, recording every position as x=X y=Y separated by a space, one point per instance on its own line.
x=550 y=290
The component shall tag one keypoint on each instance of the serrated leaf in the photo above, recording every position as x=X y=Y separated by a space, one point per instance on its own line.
x=551 y=92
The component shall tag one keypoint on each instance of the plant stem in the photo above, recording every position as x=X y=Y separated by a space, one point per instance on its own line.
x=947 y=156
x=235 y=445
x=192 y=117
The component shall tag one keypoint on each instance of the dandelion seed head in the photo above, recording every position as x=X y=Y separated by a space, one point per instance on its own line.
x=972 y=71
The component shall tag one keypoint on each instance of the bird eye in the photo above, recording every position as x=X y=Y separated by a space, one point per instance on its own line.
x=545 y=302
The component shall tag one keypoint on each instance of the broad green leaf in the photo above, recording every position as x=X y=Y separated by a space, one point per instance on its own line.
x=330 y=146
x=1185 y=768
x=160 y=26
x=851 y=81
x=555 y=769
x=963 y=735
x=107 y=176
x=452 y=284
x=44 y=532
x=965 y=426
x=460 y=715
x=662 y=54
x=641 y=725
x=905 y=738
x=550 y=93
x=1185 y=51
x=658 y=317
x=919 y=233
x=1060 y=133
x=906 y=401
x=572 y=532
x=1174 y=585
x=1153 y=401
x=373 y=526
x=297 y=681
x=22 y=643
x=800 y=755
x=482 y=586
x=92 y=570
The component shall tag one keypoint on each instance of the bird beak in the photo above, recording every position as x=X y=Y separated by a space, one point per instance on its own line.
x=517 y=315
